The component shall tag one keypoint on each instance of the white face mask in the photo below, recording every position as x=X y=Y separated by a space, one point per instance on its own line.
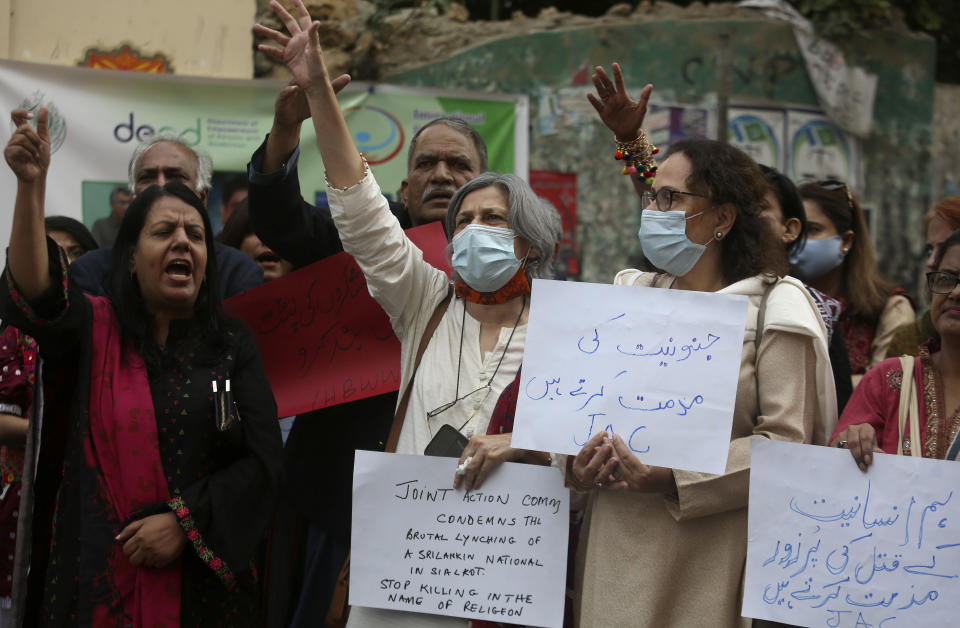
x=484 y=257
x=663 y=237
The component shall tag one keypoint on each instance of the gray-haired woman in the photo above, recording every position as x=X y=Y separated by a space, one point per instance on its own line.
x=501 y=236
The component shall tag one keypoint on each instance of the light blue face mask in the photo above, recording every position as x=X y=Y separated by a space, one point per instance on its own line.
x=663 y=237
x=818 y=257
x=484 y=257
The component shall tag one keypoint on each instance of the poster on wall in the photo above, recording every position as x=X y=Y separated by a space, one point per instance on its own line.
x=759 y=132
x=817 y=149
x=98 y=117
x=667 y=123
x=560 y=189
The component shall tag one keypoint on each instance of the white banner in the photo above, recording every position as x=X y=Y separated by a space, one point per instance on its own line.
x=99 y=116
x=832 y=546
x=846 y=92
x=498 y=553
x=659 y=367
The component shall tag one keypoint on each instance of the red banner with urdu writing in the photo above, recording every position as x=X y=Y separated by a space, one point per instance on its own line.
x=323 y=339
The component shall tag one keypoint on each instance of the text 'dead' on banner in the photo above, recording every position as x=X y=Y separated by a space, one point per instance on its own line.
x=323 y=339
x=658 y=367
x=830 y=545
x=498 y=553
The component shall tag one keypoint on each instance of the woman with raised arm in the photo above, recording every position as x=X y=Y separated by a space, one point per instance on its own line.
x=667 y=547
x=160 y=482
x=501 y=237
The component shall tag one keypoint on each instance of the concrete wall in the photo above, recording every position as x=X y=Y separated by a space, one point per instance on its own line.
x=679 y=57
x=209 y=38
x=946 y=140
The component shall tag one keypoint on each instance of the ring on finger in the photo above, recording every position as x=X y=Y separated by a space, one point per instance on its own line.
x=842 y=444
x=462 y=467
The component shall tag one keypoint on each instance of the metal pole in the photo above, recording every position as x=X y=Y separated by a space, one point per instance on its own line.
x=723 y=85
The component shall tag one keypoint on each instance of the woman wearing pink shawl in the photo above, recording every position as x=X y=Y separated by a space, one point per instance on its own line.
x=152 y=491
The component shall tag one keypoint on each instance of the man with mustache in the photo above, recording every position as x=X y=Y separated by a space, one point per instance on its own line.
x=443 y=155
x=318 y=457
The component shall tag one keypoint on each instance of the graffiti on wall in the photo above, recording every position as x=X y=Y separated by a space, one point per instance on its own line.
x=128 y=58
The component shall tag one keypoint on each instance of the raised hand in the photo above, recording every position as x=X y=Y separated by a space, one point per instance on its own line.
x=300 y=51
x=28 y=151
x=622 y=115
x=292 y=108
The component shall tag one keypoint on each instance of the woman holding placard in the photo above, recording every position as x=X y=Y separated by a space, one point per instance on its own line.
x=457 y=354
x=916 y=415
x=666 y=547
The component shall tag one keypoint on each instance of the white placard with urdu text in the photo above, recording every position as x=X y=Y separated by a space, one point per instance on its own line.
x=829 y=545
x=658 y=367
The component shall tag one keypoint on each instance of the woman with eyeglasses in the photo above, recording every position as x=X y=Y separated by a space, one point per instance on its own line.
x=501 y=237
x=666 y=547
x=872 y=419
x=838 y=260
x=939 y=223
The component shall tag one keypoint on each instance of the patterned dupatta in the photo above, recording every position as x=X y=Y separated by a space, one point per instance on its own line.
x=954 y=452
x=124 y=448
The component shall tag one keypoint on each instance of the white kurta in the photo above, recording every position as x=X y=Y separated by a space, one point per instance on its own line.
x=409 y=289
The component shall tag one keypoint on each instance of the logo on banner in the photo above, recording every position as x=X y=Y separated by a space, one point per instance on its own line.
x=754 y=136
x=129 y=129
x=819 y=150
x=56 y=122
x=380 y=136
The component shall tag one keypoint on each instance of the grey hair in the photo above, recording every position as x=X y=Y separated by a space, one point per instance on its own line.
x=531 y=217
x=462 y=127
x=204 y=162
x=120 y=189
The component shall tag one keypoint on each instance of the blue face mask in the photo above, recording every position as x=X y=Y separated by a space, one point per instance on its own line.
x=663 y=237
x=484 y=257
x=818 y=257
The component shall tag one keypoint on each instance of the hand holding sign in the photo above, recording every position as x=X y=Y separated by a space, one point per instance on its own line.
x=829 y=545
x=498 y=554
x=657 y=367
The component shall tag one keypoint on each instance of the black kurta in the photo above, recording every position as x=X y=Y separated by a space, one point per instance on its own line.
x=222 y=484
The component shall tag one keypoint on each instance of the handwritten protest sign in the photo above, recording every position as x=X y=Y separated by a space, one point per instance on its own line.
x=832 y=546
x=658 y=367
x=322 y=337
x=498 y=553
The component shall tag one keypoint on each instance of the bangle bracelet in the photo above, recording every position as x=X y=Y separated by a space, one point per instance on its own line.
x=637 y=156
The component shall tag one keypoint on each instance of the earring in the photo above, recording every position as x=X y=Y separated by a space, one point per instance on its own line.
x=719 y=235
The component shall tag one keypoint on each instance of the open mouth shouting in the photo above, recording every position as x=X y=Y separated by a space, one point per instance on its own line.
x=179 y=271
